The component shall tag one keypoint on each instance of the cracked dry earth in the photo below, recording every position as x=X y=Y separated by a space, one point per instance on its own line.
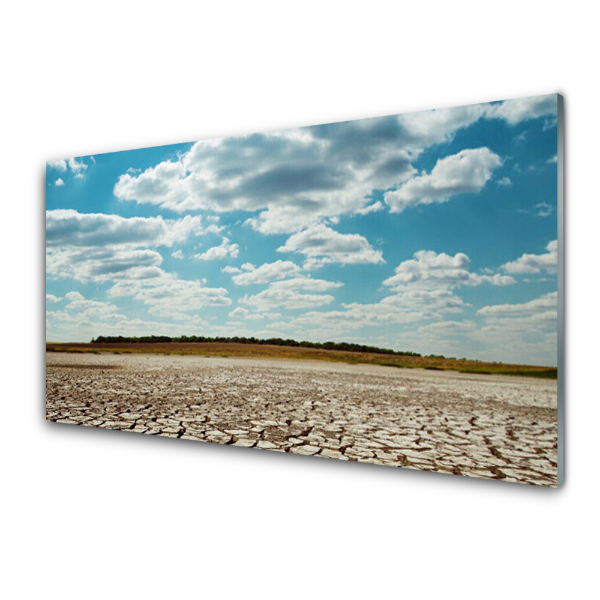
x=479 y=425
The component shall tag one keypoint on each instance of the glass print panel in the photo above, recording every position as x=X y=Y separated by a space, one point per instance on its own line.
x=383 y=290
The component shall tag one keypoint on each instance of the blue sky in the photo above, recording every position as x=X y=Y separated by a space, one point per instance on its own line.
x=433 y=232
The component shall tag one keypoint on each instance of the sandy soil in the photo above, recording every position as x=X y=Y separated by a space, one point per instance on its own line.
x=479 y=425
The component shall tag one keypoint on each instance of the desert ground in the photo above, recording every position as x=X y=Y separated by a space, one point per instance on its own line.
x=490 y=426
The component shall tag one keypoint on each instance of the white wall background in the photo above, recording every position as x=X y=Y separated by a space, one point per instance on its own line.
x=98 y=514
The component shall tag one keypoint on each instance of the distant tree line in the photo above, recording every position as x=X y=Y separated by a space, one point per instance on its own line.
x=156 y=339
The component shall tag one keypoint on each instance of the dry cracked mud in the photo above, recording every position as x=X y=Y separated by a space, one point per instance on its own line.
x=478 y=425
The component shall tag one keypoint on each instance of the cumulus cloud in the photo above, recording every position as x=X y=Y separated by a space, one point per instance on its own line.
x=111 y=248
x=76 y=166
x=52 y=298
x=306 y=284
x=422 y=289
x=312 y=171
x=522 y=109
x=436 y=126
x=274 y=297
x=462 y=173
x=229 y=269
x=407 y=306
x=102 y=264
x=296 y=178
x=72 y=228
x=266 y=273
x=525 y=332
x=291 y=294
x=74 y=296
x=535 y=263
x=239 y=311
x=178 y=254
x=59 y=165
x=87 y=308
x=540 y=308
x=68 y=326
x=505 y=182
x=371 y=208
x=99 y=247
x=220 y=252
x=59 y=182
x=322 y=245
x=430 y=269
x=170 y=297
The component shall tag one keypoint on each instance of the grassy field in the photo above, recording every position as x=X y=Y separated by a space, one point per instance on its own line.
x=266 y=351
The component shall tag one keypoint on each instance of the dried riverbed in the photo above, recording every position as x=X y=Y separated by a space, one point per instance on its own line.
x=480 y=425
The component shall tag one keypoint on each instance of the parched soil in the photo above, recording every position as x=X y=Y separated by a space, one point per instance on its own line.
x=487 y=426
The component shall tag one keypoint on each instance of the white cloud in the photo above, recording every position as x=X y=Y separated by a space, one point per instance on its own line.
x=59 y=182
x=167 y=296
x=52 y=298
x=306 y=284
x=71 y=228
x=74 y=296
x=430 y=269
x=229 y=269
x=260 y=316
x=496 y=279
x=505 y=182
x=542 y=308
x=448 y=328
x=465 y=172
x=102 y=264
x=524 y=332
x=290 y=294
x=543 y=209
x=103 y=248
x=216 y=229
x=436 y=126
x=553 y=160
x=224 y=250
x=294 y=179
x=422 y=290
x=87 y=308
x=243 y=313
x=535 y=263
x=289 y=299
x=76 y=166
x=178 y=254
x=322 y=245
x=70 y=327
x=59 y=165
x=521 y=109
x=371 y=208
x=410 y=305
x=266 y=273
